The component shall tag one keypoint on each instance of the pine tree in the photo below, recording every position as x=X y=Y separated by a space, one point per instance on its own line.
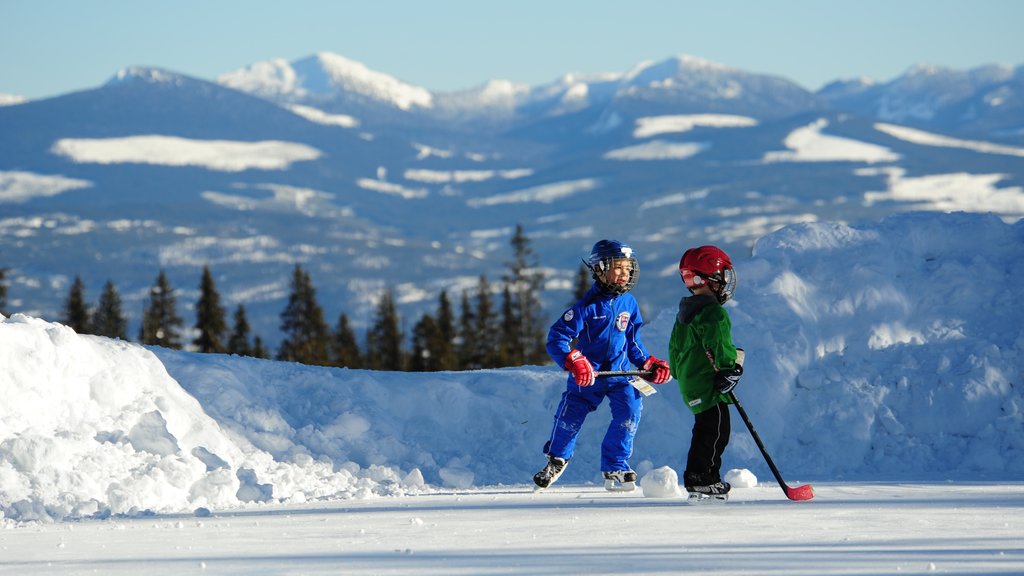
x=484 y=353
x=509 y=353
x=465 y=343
x=76 y=313
x=344 y=347
x=238 y=342
x=210 y=317
x=525 y=281
x=3 y=291
x=109 y=320
x=584 y=278
x=258 y=350
x=384 y=339
x=447 y=358
x=302 y=321
x=424 y=345
x=160 y=320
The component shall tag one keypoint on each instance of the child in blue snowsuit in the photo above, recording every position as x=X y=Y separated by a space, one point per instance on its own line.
x=604 y=325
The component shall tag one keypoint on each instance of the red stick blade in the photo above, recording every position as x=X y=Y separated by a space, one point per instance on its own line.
x=804 y=492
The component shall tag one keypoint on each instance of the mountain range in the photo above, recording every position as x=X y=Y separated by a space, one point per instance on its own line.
x=372 y=183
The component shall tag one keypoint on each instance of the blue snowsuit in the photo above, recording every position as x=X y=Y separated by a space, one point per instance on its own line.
x=606 y=329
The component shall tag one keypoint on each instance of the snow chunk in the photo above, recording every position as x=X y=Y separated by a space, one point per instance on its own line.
x=660 y=483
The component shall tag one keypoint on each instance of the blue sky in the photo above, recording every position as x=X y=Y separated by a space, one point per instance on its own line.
x=51 y=47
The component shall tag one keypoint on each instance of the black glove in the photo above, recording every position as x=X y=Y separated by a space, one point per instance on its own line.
x=727 y=380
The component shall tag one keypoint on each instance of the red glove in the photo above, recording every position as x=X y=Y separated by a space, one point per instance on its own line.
x=580 y=367
x=659 y=370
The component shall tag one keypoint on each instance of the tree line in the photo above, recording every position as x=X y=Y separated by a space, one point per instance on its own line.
x=483 y=333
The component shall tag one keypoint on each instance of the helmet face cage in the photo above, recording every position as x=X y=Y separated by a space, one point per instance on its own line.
x=603 y=256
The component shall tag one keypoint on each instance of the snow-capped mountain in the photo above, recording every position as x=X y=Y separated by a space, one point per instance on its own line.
x=983 y=102
x=371 y=183
x=10 y=99
x=323 y=77
x=679 y=84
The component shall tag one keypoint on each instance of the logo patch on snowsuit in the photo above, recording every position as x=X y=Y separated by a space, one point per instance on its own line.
x=568 y=315
x=622 y=322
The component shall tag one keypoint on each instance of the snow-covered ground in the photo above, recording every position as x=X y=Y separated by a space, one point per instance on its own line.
x=883 y=367
x=849 y=528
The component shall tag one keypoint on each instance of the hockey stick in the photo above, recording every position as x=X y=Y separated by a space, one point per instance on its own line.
x=805 y=492
x=642 y=386
x=600 y=373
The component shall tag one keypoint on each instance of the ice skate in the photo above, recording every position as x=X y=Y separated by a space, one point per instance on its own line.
x=716 y=493
x=549 y=473
x=620 y=481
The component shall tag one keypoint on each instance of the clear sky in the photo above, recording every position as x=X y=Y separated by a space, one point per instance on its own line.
x=51 y=47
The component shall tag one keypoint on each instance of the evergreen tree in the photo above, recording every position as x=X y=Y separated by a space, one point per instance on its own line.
x=258 y=350
x=384 y=339
x=508 y=351
x=160 y=320
x=210 y=321
x=302 y=322
x=76 y=313
x=465 y=343
x=447 y=358
x=344 y=347
x=525 y=281
x=238 y=342
x=109 y=320
x=584 y=279
x=485 y=354
x=424 y=345
x=3 y=291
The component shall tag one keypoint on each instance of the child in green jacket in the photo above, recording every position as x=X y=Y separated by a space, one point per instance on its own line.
x=706 y=364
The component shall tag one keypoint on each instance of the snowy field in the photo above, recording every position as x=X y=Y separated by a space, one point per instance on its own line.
x=883 y=367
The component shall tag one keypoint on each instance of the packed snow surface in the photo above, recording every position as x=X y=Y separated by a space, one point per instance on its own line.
x=883 y=366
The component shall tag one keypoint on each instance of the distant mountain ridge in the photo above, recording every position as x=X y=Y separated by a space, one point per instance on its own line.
x=929 y=97
x=372 y=183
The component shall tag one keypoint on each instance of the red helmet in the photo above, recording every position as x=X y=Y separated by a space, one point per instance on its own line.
x=708 y=265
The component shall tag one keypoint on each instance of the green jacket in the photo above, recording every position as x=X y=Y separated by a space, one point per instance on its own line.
x=701 y=345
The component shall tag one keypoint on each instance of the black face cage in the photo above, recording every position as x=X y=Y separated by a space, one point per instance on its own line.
x=726 y=285
x=604 y=264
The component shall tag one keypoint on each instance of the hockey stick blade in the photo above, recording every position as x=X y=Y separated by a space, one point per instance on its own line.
x=805 y=492
x=798 y=493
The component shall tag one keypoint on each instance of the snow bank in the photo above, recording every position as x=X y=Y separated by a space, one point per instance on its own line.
x=891 y=350
x=91 y=426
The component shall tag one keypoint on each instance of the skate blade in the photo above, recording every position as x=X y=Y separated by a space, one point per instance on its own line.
x=613 y=486
x=700 y=499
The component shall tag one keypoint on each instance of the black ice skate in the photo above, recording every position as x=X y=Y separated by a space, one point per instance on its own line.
x=548 y=474
x=709 y=494
x=620 y=481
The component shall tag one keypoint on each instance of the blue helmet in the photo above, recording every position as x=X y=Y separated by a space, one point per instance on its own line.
x=601 y=258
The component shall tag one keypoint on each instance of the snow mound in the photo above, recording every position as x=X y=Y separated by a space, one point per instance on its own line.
x=92 y=426
x=740 y=478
